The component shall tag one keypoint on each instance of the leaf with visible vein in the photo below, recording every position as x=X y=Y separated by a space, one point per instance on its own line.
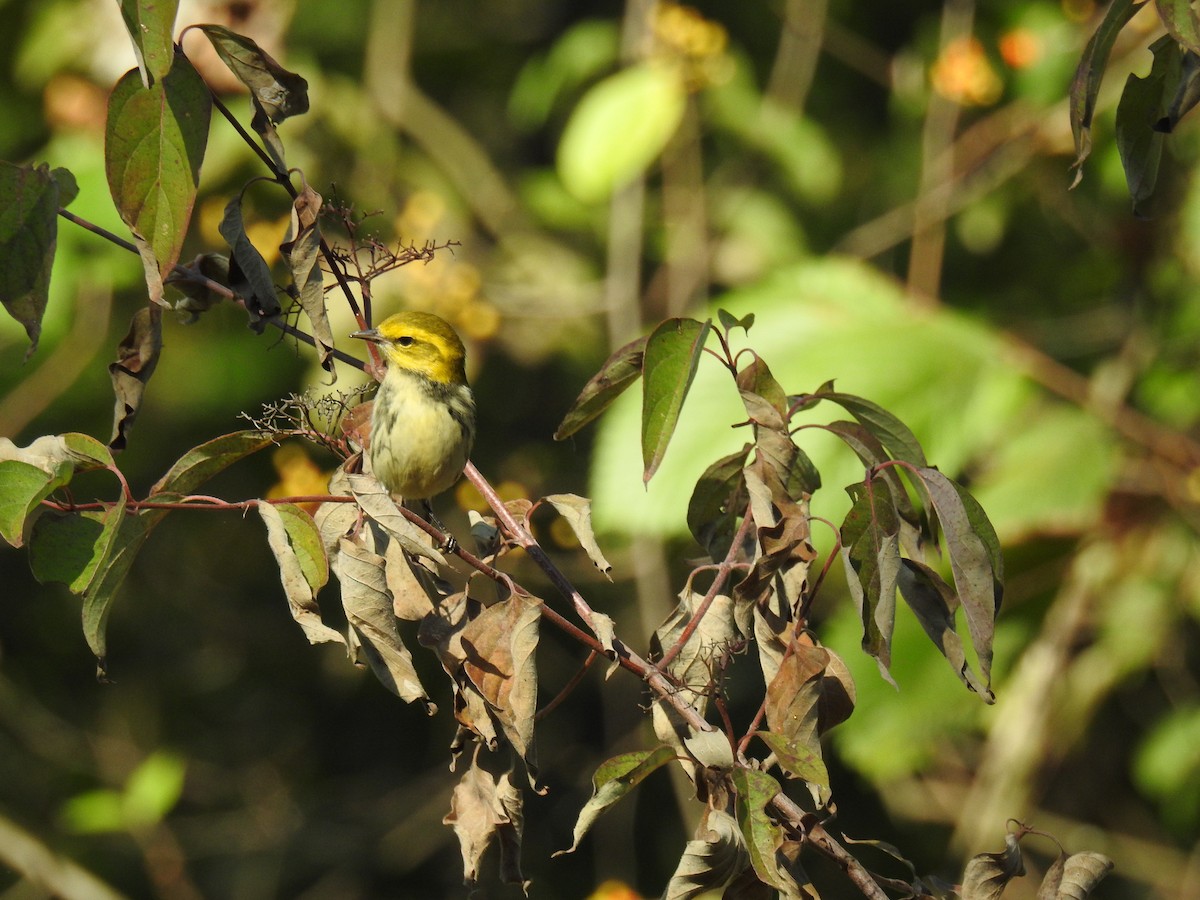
x=618 y=372
x=672 y=356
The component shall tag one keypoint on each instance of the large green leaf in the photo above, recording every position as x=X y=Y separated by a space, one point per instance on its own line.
x=154 y=144
x=72 y=547
x=672 y=356
x=619 y=127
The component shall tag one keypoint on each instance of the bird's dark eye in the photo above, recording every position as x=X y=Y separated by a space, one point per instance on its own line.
x=406 y=341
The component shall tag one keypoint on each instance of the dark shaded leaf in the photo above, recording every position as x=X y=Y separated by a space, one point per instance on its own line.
x=717 y=501
x=1085 y=86
x=914 y=527
x=249 y=274
x=150 y=26
x=199 y=297
x=1185 y=95
x=154 y=143
x=671 y=357
x=29 y=202
x=137 y=357
x=973 y=549
x=102 y=590
x=934 y=603
x=892 y=434
x=618 y=372
x=1143 y=104
x=871 y=551
x=280 y=93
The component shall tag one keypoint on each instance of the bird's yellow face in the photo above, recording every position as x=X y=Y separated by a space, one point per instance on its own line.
x=420 y=342
x=423 y=420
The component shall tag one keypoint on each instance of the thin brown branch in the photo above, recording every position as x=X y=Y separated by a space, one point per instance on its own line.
x=725 y=567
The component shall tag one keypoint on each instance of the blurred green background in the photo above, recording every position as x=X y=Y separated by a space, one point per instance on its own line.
x=883 y=185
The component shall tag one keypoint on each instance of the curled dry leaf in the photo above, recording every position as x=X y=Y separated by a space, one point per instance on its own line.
x=500 y=644
x=137 y=357
x=486 y=807
x=373 y=632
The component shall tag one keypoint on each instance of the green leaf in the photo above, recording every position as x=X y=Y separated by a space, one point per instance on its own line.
x=102 y=590
x=29 y=202
x=25 y=486
x=763 y=836
x=249 y=275
x=30 y=474
x=1085 y=87
x=672 y=357
x=72 y=547
x=619 y=127
x=153 y=789
x=797 y=760
x=1180 y=21
x=150 y=25
x=201 y=463
x=729 y=321
x=618 y=372
x=154 y=144
x=94 y=812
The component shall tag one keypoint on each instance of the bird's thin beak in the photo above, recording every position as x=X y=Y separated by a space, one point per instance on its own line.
x=369 y=335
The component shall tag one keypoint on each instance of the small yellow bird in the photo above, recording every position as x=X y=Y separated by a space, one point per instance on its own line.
x=423 y=423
